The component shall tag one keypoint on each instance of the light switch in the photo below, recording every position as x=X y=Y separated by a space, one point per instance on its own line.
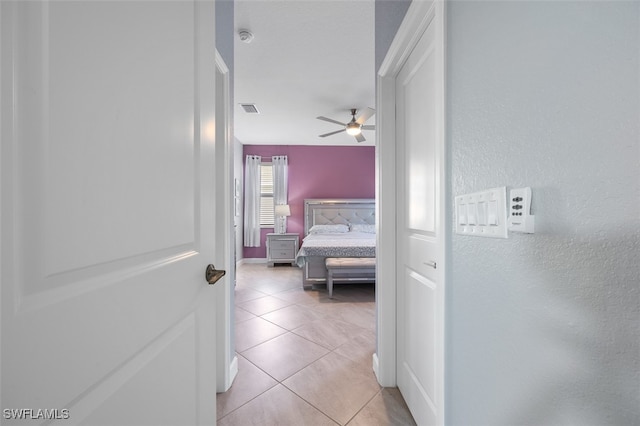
x=482 y=214
x=471 y=213
x=462 y=214
x=492 y=216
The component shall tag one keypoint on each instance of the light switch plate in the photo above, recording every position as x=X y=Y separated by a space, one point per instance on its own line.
x=520 y=217
x=482 y=214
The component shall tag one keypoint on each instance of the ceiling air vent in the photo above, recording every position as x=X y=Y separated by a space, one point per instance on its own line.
x=250 y=108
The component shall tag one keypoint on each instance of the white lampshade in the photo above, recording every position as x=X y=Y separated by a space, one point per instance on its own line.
x=283 y=210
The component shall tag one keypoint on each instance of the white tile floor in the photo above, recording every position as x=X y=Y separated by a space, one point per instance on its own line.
x=305 y=359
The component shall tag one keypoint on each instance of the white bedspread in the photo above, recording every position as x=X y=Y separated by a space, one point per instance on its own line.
x=348 y=244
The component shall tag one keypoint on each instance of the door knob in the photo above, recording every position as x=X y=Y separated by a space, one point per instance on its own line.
x=213 y=275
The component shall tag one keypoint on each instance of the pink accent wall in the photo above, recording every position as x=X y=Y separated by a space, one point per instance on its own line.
x=318 y=172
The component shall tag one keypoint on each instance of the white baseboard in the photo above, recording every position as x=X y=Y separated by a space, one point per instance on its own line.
x=376 y=366
x=233 y=370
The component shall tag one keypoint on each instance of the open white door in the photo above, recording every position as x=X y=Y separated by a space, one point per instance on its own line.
x=107 y=153
x=412 y=181
x=420 y=215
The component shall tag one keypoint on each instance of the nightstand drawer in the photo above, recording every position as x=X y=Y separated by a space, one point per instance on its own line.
x=282 y=245
x=282 y=253
x=281 y=248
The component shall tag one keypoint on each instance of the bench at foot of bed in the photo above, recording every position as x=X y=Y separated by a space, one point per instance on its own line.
x=349 y=269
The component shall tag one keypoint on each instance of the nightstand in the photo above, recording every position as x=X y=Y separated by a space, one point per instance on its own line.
x=281 y=248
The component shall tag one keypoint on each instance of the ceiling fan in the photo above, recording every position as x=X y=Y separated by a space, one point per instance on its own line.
x=355 y=126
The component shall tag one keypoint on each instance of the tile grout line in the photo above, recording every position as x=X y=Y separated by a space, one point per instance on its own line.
x=331 y=351
x=365 y=405
x=281 y=382
x=309 y=402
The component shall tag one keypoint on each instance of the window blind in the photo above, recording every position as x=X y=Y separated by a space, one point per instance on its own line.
x=266 y=195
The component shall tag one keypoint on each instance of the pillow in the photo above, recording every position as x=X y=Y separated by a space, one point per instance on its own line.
x=329 y=229
x=363 y=227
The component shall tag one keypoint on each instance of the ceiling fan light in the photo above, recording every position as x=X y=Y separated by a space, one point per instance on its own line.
x=353 y=129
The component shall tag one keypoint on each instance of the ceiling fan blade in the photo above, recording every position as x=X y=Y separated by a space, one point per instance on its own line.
x=332 y=133
x=330 y=120
x=366 y=114
x=359 y=137
x=369 y=127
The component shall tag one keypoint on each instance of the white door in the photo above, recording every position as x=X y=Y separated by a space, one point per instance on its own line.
x=420 y=235
x=107 y=152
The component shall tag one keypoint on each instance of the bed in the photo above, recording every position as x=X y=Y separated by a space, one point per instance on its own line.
x=353 y=221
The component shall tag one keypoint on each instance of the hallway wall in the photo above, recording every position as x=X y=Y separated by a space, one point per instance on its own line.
x=544 y=328
x=389 y=16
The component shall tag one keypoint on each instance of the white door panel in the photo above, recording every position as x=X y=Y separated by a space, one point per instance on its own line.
x=420 y=352
x=419 y=126
x=420 y=237
x=107 y=175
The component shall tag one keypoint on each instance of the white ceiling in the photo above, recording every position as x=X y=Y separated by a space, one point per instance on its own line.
x=308 y=58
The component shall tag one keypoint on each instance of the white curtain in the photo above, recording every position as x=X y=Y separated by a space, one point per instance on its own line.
x=252 y=201
x=280 y=166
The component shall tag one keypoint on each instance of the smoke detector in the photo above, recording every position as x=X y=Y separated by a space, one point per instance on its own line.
x=246 y=36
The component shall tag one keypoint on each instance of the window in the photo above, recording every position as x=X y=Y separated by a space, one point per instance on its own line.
x=266 y=195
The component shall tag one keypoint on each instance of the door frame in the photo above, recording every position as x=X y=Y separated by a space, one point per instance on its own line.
x=227 y=361
x=417 y=19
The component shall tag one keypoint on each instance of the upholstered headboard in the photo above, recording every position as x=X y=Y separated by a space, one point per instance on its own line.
x=325 y=211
